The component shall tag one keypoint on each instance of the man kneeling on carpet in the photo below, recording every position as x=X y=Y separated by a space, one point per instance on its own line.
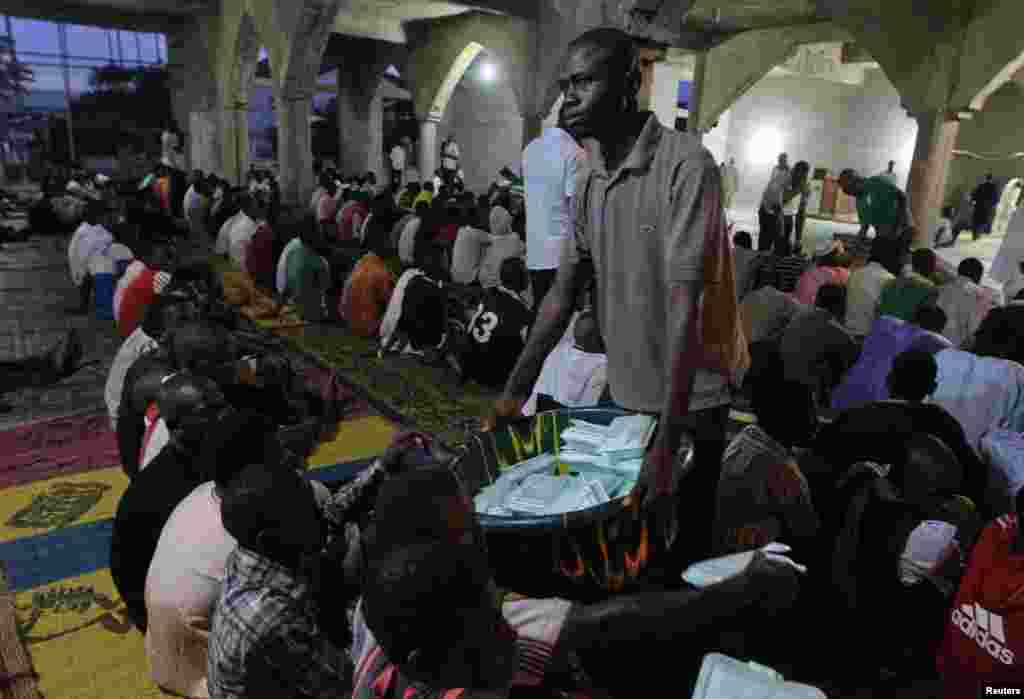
x=431 y=620
x=280 y=627
x=193 y=406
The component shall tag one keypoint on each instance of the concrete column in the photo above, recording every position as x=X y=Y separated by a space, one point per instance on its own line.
x=235 y=142
x=204 y=141
x=936 y=138
x=697 y=90
x=428 y=149
x=361 y=125
x=294 y=148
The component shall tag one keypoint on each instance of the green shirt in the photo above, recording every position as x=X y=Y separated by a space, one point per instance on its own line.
x=902 y=296
x=881 y=203
x=306 y=278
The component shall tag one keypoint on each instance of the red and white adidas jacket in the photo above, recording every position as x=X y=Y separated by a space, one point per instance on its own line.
x=984 y=641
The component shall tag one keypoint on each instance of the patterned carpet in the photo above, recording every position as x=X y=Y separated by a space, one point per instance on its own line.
x=63 y=633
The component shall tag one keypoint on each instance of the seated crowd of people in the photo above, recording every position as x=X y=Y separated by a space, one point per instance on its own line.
x=871 y=386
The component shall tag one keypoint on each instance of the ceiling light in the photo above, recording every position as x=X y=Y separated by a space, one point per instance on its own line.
x=488 y=71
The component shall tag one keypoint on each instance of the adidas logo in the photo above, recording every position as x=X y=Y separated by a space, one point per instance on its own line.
x=986 y=629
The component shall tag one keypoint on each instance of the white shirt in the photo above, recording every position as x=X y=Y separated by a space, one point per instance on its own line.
x=407 y=241
x=398 y=158
x=137 y=344
x=182 y=589
x=550 y=167
x=314 y=203
x=863 y=292
x=281 y=275
x=1011 y=251
x=87 y=241
x=156 y=443
x=966 y=304
x=570 y=376
x=239 y=232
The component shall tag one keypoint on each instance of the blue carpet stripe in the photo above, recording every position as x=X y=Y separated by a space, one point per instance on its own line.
x=79 y=550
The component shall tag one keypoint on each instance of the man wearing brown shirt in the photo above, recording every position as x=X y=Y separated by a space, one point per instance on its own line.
x=647 y=200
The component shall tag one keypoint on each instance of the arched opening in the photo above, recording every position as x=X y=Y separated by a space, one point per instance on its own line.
x=477 y=105
x=262 y=122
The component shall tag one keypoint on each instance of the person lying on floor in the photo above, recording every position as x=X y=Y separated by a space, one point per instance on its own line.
x=575 y=374
x=909 y=291
x=879 y=431
x=762 y=494
x=497 y=330
x=416 y=636
x=194 y=405
x=58 y=362
x=185 y=576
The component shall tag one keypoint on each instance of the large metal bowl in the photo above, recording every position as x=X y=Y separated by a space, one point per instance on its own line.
x=582 y=555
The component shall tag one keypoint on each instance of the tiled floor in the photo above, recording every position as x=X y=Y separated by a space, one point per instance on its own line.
x=36 y=292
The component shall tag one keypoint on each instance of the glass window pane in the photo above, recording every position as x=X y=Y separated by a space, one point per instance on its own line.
x=80 y=81
x=33 y=35
x=162 y=48
x=88 y=42
x=48 y=82
x=149 y=47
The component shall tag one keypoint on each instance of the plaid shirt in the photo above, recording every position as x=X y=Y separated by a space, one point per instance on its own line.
x=265 y=640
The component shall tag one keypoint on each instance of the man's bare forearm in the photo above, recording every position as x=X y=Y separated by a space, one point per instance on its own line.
x=658 y=616
x=549 y=327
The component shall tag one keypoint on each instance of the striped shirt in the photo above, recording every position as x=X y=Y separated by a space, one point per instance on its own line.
x=783 y=273
x=538 y=623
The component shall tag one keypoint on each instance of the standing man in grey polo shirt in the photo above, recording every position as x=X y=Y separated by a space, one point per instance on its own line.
x=646 y=201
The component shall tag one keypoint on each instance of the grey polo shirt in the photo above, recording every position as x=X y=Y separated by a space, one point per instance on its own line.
x=643 y=227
